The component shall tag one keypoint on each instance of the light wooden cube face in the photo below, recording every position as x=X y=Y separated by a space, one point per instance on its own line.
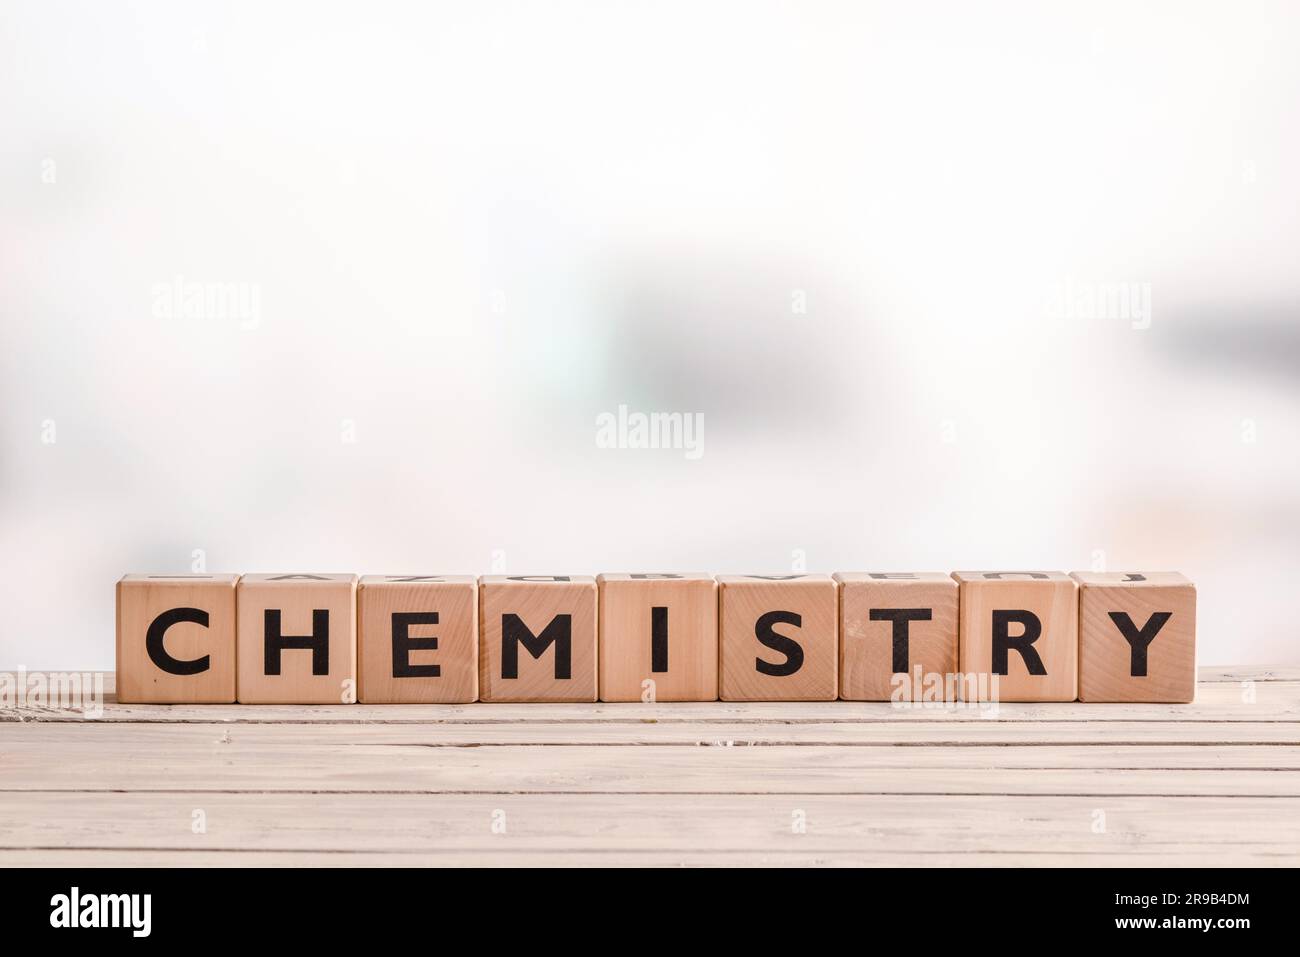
x=417 y=639
x=537 y=638
x=1023 y=627
x=779 y=638
x=893 y=623
x=297 y=639
x=176 y=639
x=1137 y=636
x=658 y=637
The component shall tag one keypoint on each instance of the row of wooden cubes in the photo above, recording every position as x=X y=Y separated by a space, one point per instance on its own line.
x=387 y=639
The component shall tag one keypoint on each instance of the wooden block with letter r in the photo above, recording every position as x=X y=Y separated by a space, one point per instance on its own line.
x=297 y=639
x=176 y=639
x=1023 y=628
x=417 y=639
x=537 y=638
x=1137 y=637
x=778 y=637
x=658 y=637
x=890 y=624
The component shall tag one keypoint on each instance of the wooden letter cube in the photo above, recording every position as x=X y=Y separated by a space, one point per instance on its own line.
x=779 y=637
x=176 y=639
x=893 y=623
x=658 y=637
x=1023 y=627
x=1137 y=636
x=537 y=638
x=297 y=639
x=417 y=639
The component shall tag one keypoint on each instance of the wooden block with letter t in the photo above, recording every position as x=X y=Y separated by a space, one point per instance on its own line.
x=176 y=639
x=1022 y=627
x=658 y=637
x=297 y=639
x=890 y=624
x=779 y=637
x=537 y=638
x=417 y=639
x=1137 y=636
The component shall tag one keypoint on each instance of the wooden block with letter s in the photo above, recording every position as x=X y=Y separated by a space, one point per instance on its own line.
x=176 y=639
x=779 y=637
x=890 y=624
x=658 y=637
x=297 y=639
x=1137 y=637
x=537 y=638
x=417 y=639
x=1022 y=627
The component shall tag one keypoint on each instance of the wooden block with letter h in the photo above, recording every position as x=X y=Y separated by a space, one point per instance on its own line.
x=1022 y=627
x=417 y=638
x=297 y=639
x=176 y=639
x=658 y=637
x=892 y=623
x=1137 y=636
x=778 y=637
x=537 y=638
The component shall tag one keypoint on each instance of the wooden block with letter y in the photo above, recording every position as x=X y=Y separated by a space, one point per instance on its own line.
x=890 y=624
x=658 y=637
x=176 y=639
x=537 y=638
x=778 y=637
x=1022 y=627
x=297 y=639
x=417 y=639
x=1137 y=637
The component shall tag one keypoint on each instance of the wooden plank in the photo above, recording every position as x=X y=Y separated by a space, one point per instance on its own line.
x=412 y=829
x=1102 y=735
x=213 y=764
x=1222 y=701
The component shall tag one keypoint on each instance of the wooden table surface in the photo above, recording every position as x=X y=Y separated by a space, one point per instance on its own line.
x=1216 y=782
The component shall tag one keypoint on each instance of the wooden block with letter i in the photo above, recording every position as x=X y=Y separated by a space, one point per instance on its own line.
x=1137 y=636
x=1023 y=628
x=176 y=639
x=893 y=623
x=297 y=639
x=779 y=637
x=537 y=638
x=658 y=637
x=417 y=639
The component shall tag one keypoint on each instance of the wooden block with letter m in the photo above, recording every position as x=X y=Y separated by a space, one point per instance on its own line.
x=537 y=638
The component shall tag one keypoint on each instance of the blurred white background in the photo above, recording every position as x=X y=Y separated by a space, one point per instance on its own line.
x=864 y=241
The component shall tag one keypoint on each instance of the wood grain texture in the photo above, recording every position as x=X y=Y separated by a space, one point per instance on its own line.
x=320 y=607
x=793 y=657
x=1167 y=664
x=867 y=646
x=141 y=599
x=556 y=611
x=1052 y=599
x=688 y=667
x=451 y=601
x=1216 y=782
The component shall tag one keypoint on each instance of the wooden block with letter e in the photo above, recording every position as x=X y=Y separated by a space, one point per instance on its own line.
x=297 y=639
x=1022 y=627
x=658 y=637
x=417 y=639
x=1137 y=636
x=892 y=623
x=778 y=636
x=537 y=638
x=176 y=639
